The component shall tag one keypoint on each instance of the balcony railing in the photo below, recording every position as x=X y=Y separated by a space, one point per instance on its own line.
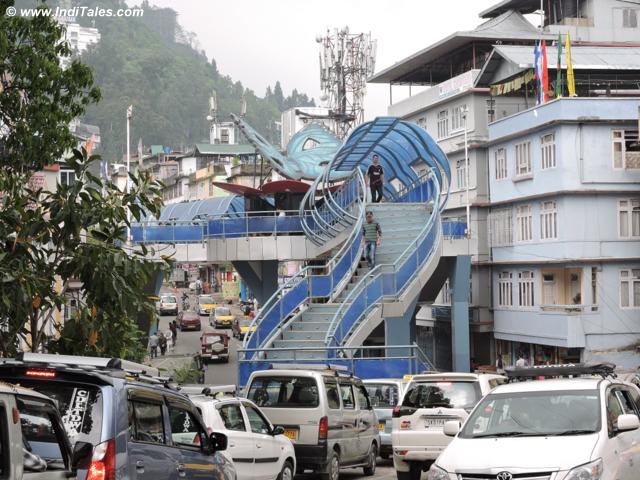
x=569 y=308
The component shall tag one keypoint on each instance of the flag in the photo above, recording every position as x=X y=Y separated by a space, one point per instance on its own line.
x=571 y=82
x=88 y=146
x=537 y=66
x=140 y=151
x=559 y=74
x=545 y=73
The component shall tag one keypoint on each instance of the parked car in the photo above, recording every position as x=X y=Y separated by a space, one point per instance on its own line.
x=430 y=400
x=221 y=317
x=241 y=326
x=128 y=416
x=168 y=305
x=567 y=429
x=326 y=414
x=384 y=394
x=33 y=441
x=189 y=321
x=214 y=345
x=206 y=304
x=258 y=449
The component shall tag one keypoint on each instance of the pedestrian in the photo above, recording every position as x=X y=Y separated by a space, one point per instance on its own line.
x=174 y=332
x=500 y=365
x=206 y=287
x=521 y=362
x=255 y=304
x=198 y=287
x=162 y=342
x=372 y=238
x=153 y=345
x=168 y=335
x=375 y=179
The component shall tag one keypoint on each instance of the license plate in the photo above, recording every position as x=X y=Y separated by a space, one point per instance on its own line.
x=381 y=426
x=291 y=434
x=434 y=422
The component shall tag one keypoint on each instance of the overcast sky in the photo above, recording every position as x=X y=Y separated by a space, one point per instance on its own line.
x=261 y=41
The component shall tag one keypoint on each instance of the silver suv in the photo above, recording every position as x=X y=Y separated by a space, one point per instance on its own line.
x=325 y=412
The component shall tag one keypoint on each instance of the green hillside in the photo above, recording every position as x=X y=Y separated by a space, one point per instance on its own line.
x=151 y=63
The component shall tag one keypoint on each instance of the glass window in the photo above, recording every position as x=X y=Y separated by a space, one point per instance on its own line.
x=501 y=163
x=363 y=398
x=206 y=300
x=231 y=415
x=548 y=147
x=284 y=392
x=626 y=149
x=505 y=289
x=629 y=218
x=333 y=396
x=525 y=289
x=461 y=174
x=627 y=404
x=442 y=394
x=383 y=395
x=614 y=410
x=443 y=124
x=223 y=312
x=145 y=422
x=258 y=423
x=523 y=159
x=457 y=118
x=80 y=407
x=43 y=438
x=548 y=220
x=185 y=429
x=524 y=220
x=630 y=288
x=501 y=227
x=347 y=396
x=629 y=18
x=535 y=414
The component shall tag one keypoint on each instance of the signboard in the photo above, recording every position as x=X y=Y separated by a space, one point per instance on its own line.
x=456 y=84
x=231 y=290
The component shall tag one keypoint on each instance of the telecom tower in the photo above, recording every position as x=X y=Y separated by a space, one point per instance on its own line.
x=346 y=61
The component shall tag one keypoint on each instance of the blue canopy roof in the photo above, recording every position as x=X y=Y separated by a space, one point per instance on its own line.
x=188 y=211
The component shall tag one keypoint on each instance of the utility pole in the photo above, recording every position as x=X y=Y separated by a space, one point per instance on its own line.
x=466 y=169
x=128 y=188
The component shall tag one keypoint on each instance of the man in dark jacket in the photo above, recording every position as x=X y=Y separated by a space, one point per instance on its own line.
x=375 y=179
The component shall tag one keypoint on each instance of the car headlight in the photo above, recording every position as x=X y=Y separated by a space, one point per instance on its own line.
x=437 y=473
x=588 y=471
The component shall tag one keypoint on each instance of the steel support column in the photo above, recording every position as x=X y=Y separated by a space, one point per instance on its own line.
x=261 y=277
x=459 y=279
x=401 y=330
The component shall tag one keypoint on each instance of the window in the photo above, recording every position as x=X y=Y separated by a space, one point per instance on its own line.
x=422 y=122
x=501 y=163
x=258 y=423
x=145 y=422
x=67 y=177
x=347 y=396
x=383 y=395
x=524 y=220
x=443 y=394
x=446 y=293
x=525 y=289
x=629 y=218
x=629 y=18
x=185 y=429
x=284 y=392
x=626 y=149
x=501 y=227
x=363 y=398
x=594 y=286
x=224 y=135
x=491 y=110
x=630 y=288
x=614 y=410
x=505 y=289
x=548 y=147
x=333 y=396
x=461 y=174
x=548 y=220
x=523 y=159
x=458 y=118
x=231 y=415
x=443 y=124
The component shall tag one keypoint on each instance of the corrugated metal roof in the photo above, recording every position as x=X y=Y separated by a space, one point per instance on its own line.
x=220 y=149
x=523 y=6
x=508 y=26
x=188 y=211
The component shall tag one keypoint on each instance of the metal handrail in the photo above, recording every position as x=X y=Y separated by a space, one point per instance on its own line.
x=305 y=273
x=375 y=274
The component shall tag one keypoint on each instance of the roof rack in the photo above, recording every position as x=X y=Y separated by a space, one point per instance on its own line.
x=563 y=370
x=316 y=367
x=209 y=390
x=69 y=360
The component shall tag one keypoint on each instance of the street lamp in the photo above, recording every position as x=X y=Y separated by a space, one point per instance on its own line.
x=465 y=113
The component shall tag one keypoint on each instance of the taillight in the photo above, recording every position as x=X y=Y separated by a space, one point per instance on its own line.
x=406 y=425
x=401 y=411
x=323 y=428
x=396 y=412
x=103 y=462
x=42 y=373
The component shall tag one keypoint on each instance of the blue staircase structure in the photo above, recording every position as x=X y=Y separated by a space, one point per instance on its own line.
x=325 y=312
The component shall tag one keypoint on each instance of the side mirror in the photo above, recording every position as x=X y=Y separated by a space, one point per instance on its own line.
x=627 y=423
x=451 y=428
x=217 y=442
x=81 y=456
x=277 y=431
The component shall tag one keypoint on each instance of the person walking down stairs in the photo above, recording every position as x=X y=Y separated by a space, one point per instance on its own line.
x=372 y=238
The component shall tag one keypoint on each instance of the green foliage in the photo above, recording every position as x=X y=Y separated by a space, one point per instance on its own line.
x=187 y=374
x=49 y=238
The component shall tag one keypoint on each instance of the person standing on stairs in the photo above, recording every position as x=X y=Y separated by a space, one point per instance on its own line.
x=375 y=179
x=372 y=237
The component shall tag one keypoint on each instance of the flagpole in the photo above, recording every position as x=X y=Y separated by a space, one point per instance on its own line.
x=128 y=187
x=541 y=17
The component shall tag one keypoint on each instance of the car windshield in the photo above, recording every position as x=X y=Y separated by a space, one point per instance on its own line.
x=210 y=339
x=535 y=414
x=445 y=394
x=206 y=300
x=80 y=407
x=223 y=311
x=169 y=300
x=382 y=395
x=284 y=392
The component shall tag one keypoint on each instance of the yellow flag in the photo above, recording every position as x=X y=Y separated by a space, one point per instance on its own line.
x=571 y=83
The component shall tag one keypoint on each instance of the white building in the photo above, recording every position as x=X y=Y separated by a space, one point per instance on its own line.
x=295 y=119
x=78 y=37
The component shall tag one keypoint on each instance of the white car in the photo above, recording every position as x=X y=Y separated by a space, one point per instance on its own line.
x=258 y=450
x=168 y=304
x=561 y=429
x=430 y=400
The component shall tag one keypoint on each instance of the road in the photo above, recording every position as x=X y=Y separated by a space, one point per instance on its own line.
x=227 y=374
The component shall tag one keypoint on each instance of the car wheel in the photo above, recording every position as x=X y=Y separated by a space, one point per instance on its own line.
x=414 y=473
x=287 y=472
x=370 y=469
x=333 y=467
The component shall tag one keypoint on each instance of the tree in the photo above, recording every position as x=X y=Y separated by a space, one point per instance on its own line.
x=72 y=233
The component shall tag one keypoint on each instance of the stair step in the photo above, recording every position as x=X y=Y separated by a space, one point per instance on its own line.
x=290 y=355
x=309 y=326
x=305 y=334
x=298 y=344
